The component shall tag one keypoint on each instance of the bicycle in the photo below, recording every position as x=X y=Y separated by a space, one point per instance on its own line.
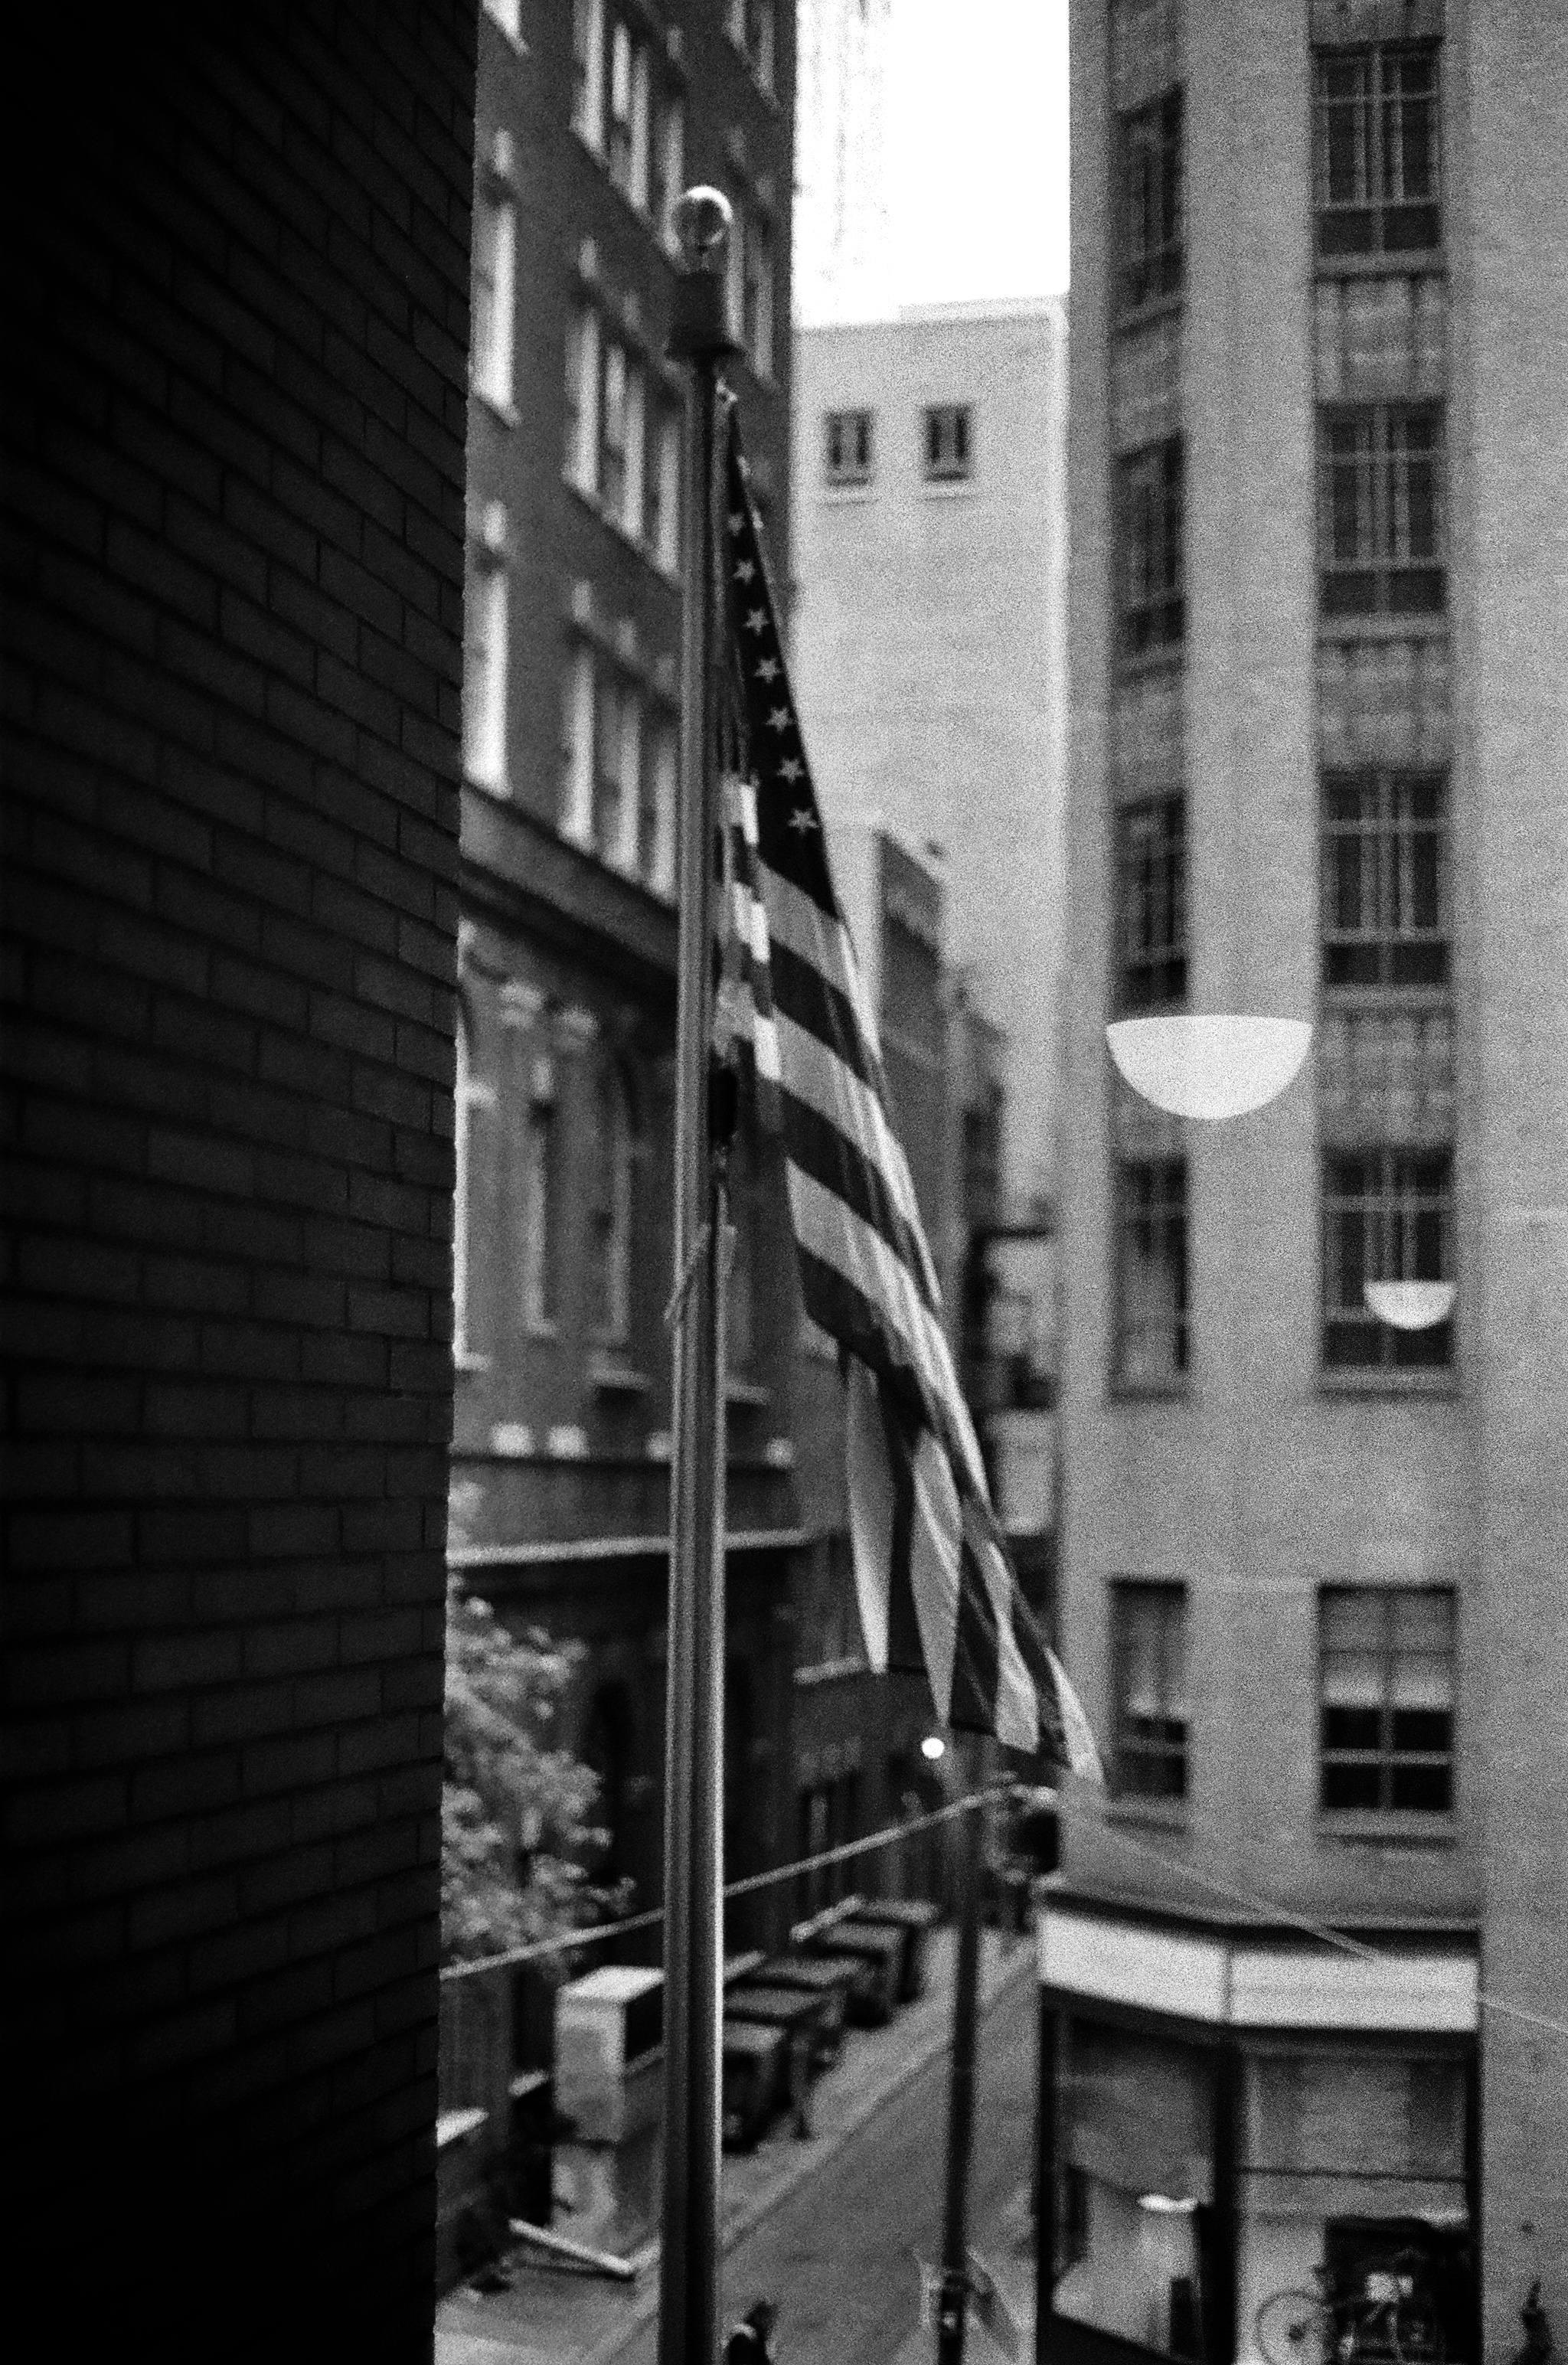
x=1389 y=2322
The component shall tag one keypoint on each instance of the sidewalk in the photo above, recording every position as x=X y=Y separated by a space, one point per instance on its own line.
x=557 y=2316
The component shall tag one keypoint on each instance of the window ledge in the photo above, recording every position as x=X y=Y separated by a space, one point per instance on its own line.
x=830 y=1671
x=1169 y=658
x=850 y=492
x=669 y=577
x=464 y=1359
x=948 y=488
x=747 y=1394
x=1144 y=316
x=1380 y=626
x=1136 y=1392
x=1155 y=1815
x=1388 y=1827
x=498 y=406
x=613 y=1378
x=1438 y=1381
x=639 y=214
x=499 y=789
x=1382 y=265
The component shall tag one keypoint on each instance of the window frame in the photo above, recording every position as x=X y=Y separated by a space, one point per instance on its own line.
x=1372 y=486
x=1168 y=960
x=1163 y=1760
x=1381 y=845
x=1378 y=207
x=855 y=428
x=613 y=1206
x=494 y=344
x=541 y=1201
x=1397 y=1208
x=1151 y=271
x=1386 y=1756
x=486 y=671
x=1166 y=1211
x=947 y=442
x=1151 y=557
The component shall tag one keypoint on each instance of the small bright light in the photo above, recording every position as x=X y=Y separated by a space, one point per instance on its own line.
x=703 y=219
x=1208 y=1066
x=934 y=1747
x=1411 y=1305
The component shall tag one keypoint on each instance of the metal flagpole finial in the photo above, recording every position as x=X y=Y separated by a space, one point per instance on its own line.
x=699 y=325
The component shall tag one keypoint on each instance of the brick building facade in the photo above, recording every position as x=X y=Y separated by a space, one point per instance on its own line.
x=237 y=271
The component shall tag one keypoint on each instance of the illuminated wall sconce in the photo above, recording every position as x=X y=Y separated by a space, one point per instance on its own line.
x=1411 y=1305
x=1208 y=1067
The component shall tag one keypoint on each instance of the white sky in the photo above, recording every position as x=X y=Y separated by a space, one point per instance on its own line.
x=975 y=131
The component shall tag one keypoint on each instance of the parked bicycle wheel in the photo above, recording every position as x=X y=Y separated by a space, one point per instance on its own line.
x=1294 y=2327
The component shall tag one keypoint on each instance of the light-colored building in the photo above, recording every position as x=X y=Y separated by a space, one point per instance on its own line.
x=1304 y=1981
x=927 y=467
x=842 y=251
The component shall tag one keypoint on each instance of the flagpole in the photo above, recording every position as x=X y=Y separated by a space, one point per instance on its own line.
x=952 y=2304
x=689 y=2261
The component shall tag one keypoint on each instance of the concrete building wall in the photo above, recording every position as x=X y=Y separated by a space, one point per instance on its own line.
x=929 y=644
x=237 y=326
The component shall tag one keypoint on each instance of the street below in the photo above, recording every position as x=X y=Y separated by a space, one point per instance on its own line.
x=838 y=2257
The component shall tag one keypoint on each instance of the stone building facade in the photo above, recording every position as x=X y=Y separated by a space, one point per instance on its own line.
x=1318 y=474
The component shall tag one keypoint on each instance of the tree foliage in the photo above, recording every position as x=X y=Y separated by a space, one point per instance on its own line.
x=517 y=1828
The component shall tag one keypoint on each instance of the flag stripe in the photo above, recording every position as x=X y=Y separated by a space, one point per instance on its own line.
x=821 y=1150
x=802 y=992
x=823 y=1083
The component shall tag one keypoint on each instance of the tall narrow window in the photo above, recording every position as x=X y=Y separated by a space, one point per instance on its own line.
x=485 y=674
x=847 y=453
x=638 y=175
x=617 y=766
x=1380 y=509
x=611 y=1212
x=756 y=290
x=581 y=457
x=1387 y=1216
x=1151 y=572
x=576 y=802
x=587 y=71
x=472 y=1099
x=666 y=165
x=1152 y=884
x=539 y=1202
x=948 y=445
x=614 y=428
x=1149 y=1640
x=1151 y=1293
x=1385 y=919
x=1386 y=1667
x=495 y=278
x=1151 y=203
x=618 y=140
x=661 y=487
x=1376 y=149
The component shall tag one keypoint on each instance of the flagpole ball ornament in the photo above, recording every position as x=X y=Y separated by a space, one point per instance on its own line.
x=700 y=322
x=1208 y=1066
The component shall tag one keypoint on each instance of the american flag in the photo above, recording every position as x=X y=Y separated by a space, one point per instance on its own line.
x=936 y=1584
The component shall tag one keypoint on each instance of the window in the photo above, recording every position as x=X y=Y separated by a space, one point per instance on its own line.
x=1386 y=880
x=1152 y=209
x=505 y=13
x=587 y=71
x=756 y=239
x=949 y=442
x=1153 y=610
x=1387 y=1216
x=1375 y=162
x=752 y=28
x=661 y=487
x=1152 y=870
x=1152 y=1297
x=485 y=674
x=661 y=798
x=581 y=457
x=471 y=1096
x=1148 y=1639
x=1380 y=510
x=618 y=136
x=614 y=427
x=577 y=803
x=1385 y=1687
x=495 y=280
x=666 y=166
x=847 y=452
x=616 y=737
x=540 y=1214
x=612 y=1211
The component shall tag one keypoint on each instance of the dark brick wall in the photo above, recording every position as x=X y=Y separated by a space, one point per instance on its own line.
x=237 y=326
